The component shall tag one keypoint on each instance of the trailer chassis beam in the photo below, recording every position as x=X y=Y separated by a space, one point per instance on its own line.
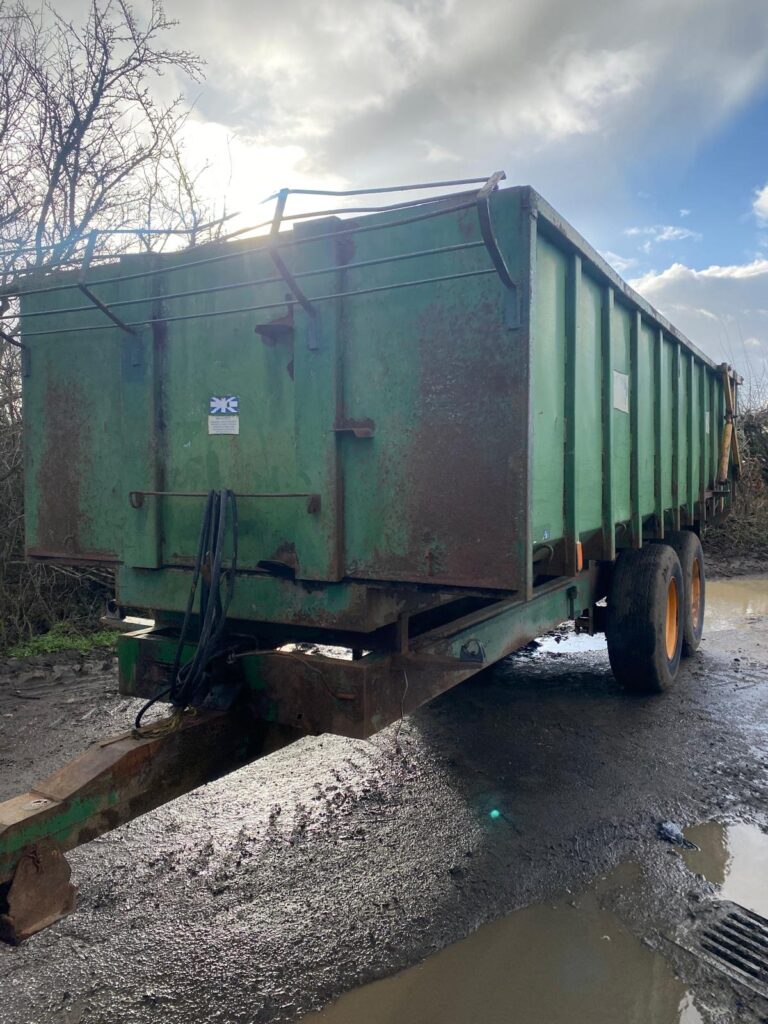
x=358 y=697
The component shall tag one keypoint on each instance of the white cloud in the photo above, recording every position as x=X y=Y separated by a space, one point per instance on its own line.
x=662 y=233
x=620 y=264
x=440 y=154
x=685 y=212
x=565 y=96
x=722 y=309
x=669 y=233
x=760 y=204
x=757 y=268
x=574 y=92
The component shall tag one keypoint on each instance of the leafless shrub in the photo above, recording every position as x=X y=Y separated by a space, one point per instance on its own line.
x=85 y=148
x=745 y=532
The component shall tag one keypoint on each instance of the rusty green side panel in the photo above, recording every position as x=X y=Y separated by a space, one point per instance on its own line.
x=438 y=494
x=75 y=455
x=648 y=408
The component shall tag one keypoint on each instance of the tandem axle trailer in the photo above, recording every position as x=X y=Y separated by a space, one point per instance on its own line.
x=424 y=435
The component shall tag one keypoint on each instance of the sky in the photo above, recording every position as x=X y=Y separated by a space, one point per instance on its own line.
x=644 y=122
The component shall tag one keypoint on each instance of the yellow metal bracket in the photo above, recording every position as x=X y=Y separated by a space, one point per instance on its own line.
x=729 y=449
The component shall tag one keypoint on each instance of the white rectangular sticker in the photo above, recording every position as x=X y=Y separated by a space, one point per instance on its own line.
x=620 y=391
x=223 y=424
x=224 y=414
x=706 y=421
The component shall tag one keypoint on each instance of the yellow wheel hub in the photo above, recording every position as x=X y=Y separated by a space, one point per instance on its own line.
x=671 y=626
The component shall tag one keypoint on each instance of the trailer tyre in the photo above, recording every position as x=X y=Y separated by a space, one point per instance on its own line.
x=687 y=547
x=645 y=621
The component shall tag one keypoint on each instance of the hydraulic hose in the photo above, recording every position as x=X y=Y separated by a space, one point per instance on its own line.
x=191 y=681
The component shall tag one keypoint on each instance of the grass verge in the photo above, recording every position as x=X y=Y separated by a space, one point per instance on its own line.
x=62 y=636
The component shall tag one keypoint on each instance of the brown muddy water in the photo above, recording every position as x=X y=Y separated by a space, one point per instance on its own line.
x=563 y=962
x=551 y=963
x=735 y=858
x=734 y=602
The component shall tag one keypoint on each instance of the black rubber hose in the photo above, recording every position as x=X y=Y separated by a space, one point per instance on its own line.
x=188 y=680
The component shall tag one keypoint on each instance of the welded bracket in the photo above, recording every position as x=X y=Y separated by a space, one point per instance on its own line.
x=287 y=276
x=362 y=426
x=89 y=250
x=278 y=331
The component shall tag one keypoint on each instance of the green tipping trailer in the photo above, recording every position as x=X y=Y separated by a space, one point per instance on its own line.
x=424 y=436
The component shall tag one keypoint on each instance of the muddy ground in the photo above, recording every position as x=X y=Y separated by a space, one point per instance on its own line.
x=334 y=862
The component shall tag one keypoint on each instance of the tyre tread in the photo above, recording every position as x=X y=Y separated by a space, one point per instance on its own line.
x=635 y=643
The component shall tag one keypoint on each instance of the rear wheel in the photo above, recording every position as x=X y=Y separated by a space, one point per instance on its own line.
x=687 y=547
x=645 y=621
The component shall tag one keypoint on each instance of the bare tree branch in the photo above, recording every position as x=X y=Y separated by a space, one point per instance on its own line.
x=84 y=146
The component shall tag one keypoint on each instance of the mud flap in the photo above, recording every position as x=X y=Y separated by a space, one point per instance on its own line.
x=39 y=894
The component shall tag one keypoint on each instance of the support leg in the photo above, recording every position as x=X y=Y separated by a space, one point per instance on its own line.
x=39 y=894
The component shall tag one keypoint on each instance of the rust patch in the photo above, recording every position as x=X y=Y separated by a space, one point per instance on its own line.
x=345 y=247
x=455 y=486
x=469 y=225
x=285 y=557
x=39 y=894
x=61 y=519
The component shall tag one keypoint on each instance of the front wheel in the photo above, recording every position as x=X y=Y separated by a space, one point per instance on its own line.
x=645 y=622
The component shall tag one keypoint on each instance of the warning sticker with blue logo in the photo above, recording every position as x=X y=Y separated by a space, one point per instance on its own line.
x=224 y=414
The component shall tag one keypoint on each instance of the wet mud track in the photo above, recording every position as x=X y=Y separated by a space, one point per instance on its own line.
x=334 y=862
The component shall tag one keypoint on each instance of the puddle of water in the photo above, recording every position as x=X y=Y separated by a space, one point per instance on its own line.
x=556 y=963
x=732 y=602
x=341 y=653
x=735 y=857
x=570 y=642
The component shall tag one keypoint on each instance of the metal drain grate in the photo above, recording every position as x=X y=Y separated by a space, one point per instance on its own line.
x=732 y=939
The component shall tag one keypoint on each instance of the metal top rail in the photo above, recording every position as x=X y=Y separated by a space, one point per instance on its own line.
x=16 y=250
x=374 y=191
x=272 y=243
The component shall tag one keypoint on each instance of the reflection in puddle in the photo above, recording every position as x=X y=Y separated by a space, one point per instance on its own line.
x=732 y=602
x=729 y=603
x=734 y=857
x=567 y=641
x=554 y=963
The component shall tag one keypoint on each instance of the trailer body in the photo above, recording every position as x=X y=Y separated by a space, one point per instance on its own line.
x=439 y=426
